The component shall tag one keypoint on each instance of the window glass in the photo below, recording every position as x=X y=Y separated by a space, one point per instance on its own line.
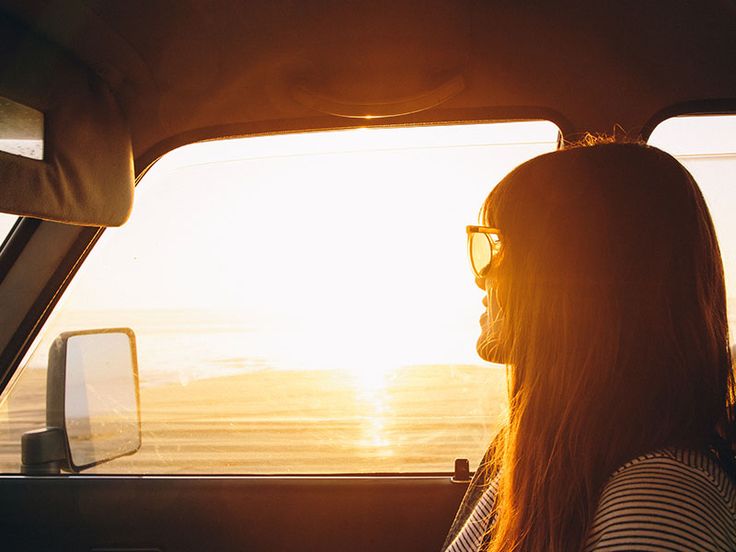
x=302 y=303
x=21 y=129
x=6 y=224
x=706 y=145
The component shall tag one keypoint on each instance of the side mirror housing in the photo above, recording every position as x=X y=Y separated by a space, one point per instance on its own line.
x=92 y=403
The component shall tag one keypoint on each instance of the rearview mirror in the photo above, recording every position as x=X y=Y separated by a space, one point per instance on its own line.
x=92 y=403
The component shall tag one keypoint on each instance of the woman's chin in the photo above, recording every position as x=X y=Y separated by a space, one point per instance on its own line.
x=486 y=347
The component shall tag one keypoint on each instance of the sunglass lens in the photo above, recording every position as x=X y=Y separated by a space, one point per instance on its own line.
x=480 y=253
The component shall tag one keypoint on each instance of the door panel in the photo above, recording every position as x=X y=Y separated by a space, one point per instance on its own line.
x=227 y=513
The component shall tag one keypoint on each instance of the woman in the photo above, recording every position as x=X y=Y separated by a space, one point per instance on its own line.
x=606 y=301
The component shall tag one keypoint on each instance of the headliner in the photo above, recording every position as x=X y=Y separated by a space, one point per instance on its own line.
x=184 y=70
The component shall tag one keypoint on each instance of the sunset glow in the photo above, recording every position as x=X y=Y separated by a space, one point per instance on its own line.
x=350 y=244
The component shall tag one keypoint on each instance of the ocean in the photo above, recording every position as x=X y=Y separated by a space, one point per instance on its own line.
x=208 y=408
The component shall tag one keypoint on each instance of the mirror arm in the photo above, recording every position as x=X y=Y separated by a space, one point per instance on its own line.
x=43 y=452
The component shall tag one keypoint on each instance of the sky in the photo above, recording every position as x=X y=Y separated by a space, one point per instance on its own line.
x=345 y=244
x=305 y=216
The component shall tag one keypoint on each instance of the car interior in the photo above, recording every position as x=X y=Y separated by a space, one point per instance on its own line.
x=136 y=140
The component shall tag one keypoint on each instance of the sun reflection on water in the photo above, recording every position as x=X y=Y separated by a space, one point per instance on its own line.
x=371 y=394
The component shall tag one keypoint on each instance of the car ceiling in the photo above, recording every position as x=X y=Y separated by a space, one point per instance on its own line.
x=185 y=70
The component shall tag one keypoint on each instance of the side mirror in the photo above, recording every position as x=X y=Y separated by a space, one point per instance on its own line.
x=92 y=403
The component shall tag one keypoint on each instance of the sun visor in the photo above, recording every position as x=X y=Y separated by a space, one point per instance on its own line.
x=82 y=172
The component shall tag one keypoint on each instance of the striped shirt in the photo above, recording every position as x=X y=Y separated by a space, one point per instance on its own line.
x=670 y=499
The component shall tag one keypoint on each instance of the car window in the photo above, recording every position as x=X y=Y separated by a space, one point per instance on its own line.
x=301 y=303
x=21 y=129
x=706 y=145
x=6 y=224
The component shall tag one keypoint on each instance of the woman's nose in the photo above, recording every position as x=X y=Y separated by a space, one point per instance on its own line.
x=481 y=283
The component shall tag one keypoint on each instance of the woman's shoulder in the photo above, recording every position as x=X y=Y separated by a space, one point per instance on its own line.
x=696 y=469
x=675 y=499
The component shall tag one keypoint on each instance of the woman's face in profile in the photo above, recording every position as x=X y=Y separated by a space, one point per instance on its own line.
x=484 y=246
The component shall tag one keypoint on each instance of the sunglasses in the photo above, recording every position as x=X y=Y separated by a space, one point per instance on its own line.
x=483 y=244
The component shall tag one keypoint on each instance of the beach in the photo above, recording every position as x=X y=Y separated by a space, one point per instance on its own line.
x=411 y=419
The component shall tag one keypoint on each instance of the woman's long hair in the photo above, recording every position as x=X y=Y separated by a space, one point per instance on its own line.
x=614 y=328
